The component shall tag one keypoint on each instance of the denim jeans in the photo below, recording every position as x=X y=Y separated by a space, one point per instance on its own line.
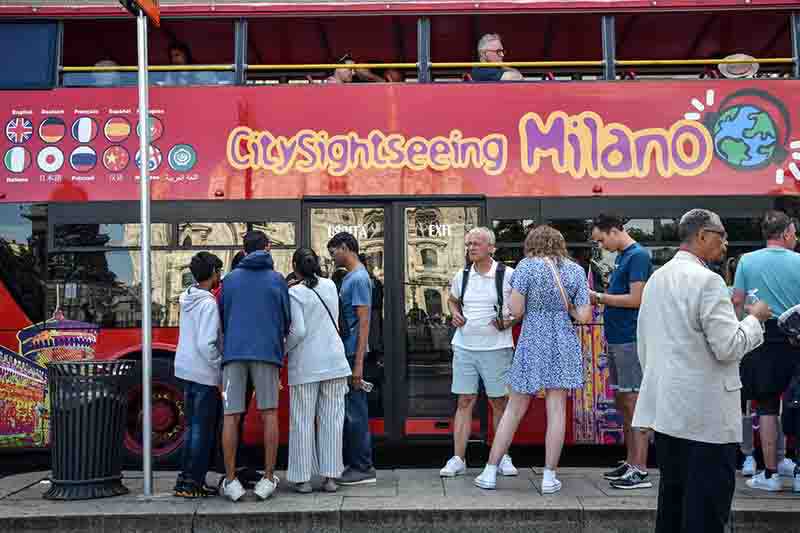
x=357 y=441
x=201 y=404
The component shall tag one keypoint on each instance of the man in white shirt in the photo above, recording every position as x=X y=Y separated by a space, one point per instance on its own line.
x=690 y=343
x=482 y=345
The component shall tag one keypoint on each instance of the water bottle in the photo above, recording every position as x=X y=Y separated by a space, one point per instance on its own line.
x=752 y=297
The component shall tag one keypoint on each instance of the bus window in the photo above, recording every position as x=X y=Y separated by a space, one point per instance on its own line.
x=700 y=36
x=108 y=235
x=23 y=231
x=524 y=37
x=112 y=43
x=295 y=41
x=209 y=234
x=279 y=233
x=29 y=55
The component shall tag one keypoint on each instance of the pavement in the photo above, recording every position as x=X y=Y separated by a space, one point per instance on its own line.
x=405 y=501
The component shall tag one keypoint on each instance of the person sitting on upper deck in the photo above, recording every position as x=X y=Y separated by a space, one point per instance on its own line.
x=179 y=54
x=490 y=50
x=393 y=75
x=351 y=75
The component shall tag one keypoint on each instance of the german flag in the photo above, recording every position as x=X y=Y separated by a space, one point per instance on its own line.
x=52 y=130
x=117 y=129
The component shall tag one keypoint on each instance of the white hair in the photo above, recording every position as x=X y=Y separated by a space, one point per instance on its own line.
x=484 y=232
x=484 y=41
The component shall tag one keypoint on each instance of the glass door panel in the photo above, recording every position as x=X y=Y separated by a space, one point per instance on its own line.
x=434 y=252
x=367 y=224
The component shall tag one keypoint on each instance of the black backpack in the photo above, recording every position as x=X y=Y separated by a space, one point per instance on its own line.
x=499 y=275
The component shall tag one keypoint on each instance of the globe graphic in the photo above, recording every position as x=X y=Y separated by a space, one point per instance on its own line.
x=745 y=137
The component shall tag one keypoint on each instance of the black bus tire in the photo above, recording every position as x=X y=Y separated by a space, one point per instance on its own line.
x=168 y=421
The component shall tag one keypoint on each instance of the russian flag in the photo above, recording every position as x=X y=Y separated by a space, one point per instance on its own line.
x=84 y=129
x=83 y=159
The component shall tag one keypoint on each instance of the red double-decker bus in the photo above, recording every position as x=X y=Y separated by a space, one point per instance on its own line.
x=621 y=108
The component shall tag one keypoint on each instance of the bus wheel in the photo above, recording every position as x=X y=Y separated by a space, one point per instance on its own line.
x=168 y=420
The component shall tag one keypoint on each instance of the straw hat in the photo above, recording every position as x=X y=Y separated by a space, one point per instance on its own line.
x=738 y=70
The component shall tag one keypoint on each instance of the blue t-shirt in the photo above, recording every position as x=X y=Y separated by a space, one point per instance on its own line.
x=356 y=290
x=632 y=265
x=775 y=272
x=487 y=74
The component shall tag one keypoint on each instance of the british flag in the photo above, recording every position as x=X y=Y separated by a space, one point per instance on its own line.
x=19 y=130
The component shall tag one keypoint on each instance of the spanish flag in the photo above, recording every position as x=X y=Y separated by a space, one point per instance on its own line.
x=117 y=129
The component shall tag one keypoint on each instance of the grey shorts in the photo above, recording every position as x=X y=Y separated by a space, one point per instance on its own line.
x=624 y=369
x=266 y=382
x=491 y=367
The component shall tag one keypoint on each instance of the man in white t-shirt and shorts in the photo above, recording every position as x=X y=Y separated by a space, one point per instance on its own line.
x=482 y=345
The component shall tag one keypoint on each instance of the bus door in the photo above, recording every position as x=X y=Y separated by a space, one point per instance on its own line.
x=412 y=251
x=429 y=247
x=368 y=222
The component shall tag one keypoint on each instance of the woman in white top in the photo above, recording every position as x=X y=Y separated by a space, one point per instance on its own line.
x=318 y=373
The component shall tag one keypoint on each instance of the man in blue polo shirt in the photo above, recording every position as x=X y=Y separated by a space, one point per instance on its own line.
x=622 y=301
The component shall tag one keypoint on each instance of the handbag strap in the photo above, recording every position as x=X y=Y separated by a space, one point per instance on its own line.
x=328 y=310
x=557 y=278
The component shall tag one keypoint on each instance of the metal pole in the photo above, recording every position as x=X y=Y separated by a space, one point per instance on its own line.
x=144 y=183
x=609 y=48
x=795 y=21
x=424 y=50
x=240 y=51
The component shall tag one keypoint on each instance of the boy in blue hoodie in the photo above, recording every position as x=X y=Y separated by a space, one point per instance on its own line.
x=198 y=364
x=254 y=307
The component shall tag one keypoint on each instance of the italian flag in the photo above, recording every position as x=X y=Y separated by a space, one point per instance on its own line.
x=17 y=159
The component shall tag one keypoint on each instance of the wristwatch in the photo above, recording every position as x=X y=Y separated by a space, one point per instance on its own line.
x=600 y=297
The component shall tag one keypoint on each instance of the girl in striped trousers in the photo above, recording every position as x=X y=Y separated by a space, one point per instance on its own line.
x=318 y=372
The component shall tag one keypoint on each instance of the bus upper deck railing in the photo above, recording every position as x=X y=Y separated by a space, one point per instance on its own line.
x=435 y=64
x=225 y=74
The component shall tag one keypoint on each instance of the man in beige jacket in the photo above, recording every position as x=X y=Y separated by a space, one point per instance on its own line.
x=690 y=344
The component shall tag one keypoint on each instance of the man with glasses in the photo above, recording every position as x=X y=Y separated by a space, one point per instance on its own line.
x=355 y=298
x=490 y=50
x=772 y=275
x=690 y=343
x=483 y=346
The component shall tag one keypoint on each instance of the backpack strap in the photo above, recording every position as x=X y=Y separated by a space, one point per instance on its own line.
x=464 y=282
x=499 y=274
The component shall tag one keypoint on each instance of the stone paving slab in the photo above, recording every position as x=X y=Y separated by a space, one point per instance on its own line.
x=402 y=501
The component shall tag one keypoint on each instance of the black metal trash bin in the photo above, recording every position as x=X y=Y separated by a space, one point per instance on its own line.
x=88 y=402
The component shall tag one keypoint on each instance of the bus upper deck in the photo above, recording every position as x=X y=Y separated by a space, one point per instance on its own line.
x=227 y=44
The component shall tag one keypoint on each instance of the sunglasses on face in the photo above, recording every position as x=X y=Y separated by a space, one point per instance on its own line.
x=722 y=233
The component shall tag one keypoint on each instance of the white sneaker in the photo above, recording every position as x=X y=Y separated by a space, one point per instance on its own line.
x=488 y=478
x=760 y=482
x=233 y=490
x=550 y=487
x=786 y=467
x=749 y=466
x=266 y=487
x=454 y=467
x=506 y=467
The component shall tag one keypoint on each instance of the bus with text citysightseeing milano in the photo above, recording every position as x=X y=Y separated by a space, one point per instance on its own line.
x=642 y=108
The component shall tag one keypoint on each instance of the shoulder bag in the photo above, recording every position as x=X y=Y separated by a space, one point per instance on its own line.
x=557 y=277
x=335 y=325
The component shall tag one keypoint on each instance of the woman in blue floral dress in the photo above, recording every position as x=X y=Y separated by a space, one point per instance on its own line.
x=548 y=355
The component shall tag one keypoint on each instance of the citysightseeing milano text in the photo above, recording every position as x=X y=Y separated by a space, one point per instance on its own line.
x=578 y=145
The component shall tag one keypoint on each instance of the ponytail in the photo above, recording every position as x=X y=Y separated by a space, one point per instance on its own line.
x=306 y=263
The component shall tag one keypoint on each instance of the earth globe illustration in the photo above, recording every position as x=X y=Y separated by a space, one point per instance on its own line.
x=745 y=137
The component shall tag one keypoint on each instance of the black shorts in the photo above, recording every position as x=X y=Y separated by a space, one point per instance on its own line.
x=767 y=370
